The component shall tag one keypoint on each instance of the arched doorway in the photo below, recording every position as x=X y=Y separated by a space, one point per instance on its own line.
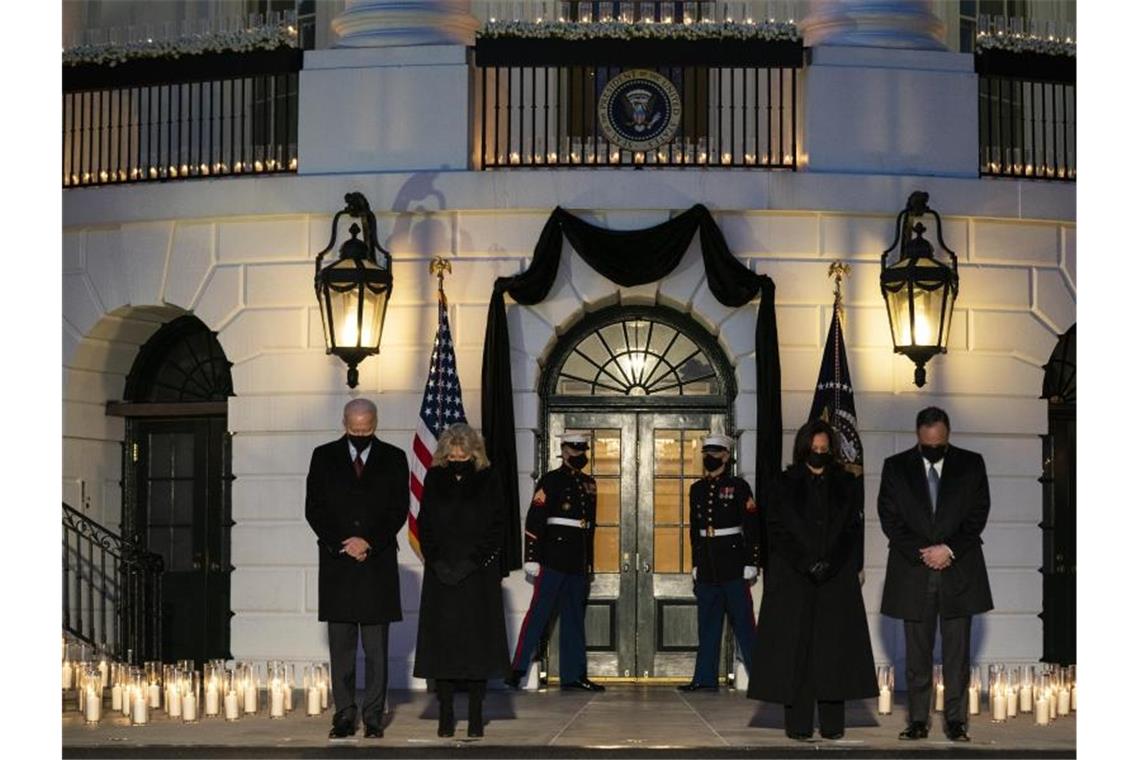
x=176 y=481
x=648 y=383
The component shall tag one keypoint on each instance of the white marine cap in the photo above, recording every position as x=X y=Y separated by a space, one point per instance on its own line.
x=576 y=440
x=717 y=440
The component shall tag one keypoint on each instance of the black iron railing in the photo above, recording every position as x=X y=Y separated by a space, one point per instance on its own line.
x=216 y=115
x=1027 y=115
x=537 y=102
x=112 y=590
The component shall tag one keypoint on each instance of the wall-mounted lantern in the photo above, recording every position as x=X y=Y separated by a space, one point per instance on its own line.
x=354 y=290
x=919 y=289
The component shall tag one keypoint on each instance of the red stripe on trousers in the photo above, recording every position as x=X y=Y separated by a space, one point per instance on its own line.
x=526 y=621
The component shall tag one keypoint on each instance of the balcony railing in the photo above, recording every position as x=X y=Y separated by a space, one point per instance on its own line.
x=207 y=115
x=537 y=102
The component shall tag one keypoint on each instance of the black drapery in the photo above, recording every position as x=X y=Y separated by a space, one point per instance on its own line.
x=628 y=258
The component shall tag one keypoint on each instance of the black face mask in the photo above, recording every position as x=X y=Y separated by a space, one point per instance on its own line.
x=933 y=454
x=360 y=442
x=578 y=461
x=818 y=459
x=461 y=466
x=713 y=463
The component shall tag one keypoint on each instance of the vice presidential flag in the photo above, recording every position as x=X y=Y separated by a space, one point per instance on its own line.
x=834 y=399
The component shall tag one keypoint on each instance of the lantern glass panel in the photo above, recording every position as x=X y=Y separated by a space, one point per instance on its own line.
x=352 y=326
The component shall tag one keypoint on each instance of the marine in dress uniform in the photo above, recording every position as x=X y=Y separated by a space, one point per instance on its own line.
x=560 y=558
x=725 y=534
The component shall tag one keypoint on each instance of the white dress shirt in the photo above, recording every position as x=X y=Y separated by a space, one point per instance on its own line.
x=363 y=454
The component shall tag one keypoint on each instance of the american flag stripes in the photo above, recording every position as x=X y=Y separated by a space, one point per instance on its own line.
x=442 y=407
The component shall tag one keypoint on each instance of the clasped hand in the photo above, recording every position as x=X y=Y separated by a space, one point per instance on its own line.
x=355 y=547
x=936 y=557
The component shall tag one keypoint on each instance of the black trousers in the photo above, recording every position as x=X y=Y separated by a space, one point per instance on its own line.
x=799 y=715
x=343 y=638
x=920 y=660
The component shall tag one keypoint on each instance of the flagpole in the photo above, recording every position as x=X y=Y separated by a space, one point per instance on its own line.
x=837 y=271
x=438 y=266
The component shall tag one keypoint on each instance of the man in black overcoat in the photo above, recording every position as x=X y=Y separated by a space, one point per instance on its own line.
x=934 y=500
x=356 y=500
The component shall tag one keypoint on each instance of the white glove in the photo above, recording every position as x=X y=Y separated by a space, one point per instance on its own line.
x=750 y=572
x=531 y=568
x=694 y=573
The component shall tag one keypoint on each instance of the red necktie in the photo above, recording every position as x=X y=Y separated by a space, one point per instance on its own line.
x=358 y=465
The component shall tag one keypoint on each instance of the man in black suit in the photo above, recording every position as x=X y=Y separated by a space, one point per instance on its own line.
x=356 y=501
x=934 y=500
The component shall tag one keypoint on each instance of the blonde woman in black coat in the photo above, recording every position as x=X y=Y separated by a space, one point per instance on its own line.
x=812 y=643
x=462 y=638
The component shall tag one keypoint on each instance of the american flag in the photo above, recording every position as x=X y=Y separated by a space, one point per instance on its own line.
x=442 y=407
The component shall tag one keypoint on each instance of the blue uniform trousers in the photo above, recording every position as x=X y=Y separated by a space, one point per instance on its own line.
x=713 y=600
x=566 y=593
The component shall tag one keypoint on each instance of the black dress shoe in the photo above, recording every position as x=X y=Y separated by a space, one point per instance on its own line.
x=914 y=731
x=797 y=736
x=585 y=684
x=475 y=731
x=836 y=736
x=956 y=732
x=373 y=732
x=694 y=686
x=342 y=730
x=514 y=680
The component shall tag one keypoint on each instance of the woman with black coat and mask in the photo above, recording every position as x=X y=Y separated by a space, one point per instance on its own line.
x=812 y=642
x=462 y=637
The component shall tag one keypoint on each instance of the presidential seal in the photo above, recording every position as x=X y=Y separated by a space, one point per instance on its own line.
x=639 y=110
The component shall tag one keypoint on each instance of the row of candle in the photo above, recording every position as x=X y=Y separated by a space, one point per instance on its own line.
x=184 y=170
x=1010 y=690
x=184 y=693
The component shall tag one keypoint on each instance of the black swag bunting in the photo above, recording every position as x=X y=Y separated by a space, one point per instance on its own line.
x=628 y=258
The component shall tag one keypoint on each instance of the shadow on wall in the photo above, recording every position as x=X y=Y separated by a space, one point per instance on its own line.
x=429 y=236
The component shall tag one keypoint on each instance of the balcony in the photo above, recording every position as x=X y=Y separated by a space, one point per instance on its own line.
x=225 y=104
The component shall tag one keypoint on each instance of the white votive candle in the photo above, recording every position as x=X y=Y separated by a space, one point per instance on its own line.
x=313 y=701
x=139 y=709
x=251 y=698
x=324 y=696
x=1026 y=699
x=1052 y=704
x=276 y=702
x=231 y=701
x=997 y=703
x=1041 y=714
x=884 y=701
x=1011 y=703
x=65 y=676
x=1073 y=698
x=155 y=696
x=104 y=672
x=116 y=697
x=173 y=702
x=212 y=699
x=189 y=707
x=975 y=701
x=939 y=698
x=288 y=691
x=1063 y=702
x=93 y=706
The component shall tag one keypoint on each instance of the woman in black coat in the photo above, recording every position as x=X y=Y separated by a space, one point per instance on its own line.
x=812 y=642
x=462 y=636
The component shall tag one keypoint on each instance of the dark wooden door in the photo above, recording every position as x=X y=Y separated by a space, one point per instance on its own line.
x=180 y=477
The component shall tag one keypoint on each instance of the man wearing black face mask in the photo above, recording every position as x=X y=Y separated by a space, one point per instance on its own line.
x=724 y=533
x=356 y=500
x=560 y=558
x=934 y=501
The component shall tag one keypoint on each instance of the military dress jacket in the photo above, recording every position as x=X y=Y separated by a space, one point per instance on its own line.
x=718 y=503
x=564 y=494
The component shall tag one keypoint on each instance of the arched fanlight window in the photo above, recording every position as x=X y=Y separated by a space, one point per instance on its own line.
x=181 y=362
x=638 y=352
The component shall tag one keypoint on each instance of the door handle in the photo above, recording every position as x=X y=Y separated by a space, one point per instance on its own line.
x=625 y=562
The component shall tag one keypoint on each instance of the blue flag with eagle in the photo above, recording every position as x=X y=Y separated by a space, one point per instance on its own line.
x=834 y=400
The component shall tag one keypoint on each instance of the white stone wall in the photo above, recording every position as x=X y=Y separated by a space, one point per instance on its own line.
x=239 y=256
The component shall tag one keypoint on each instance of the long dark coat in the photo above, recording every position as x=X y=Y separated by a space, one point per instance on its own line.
x=905 y=514
x=842 y=666
x=462 y=630
x=338 y=505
